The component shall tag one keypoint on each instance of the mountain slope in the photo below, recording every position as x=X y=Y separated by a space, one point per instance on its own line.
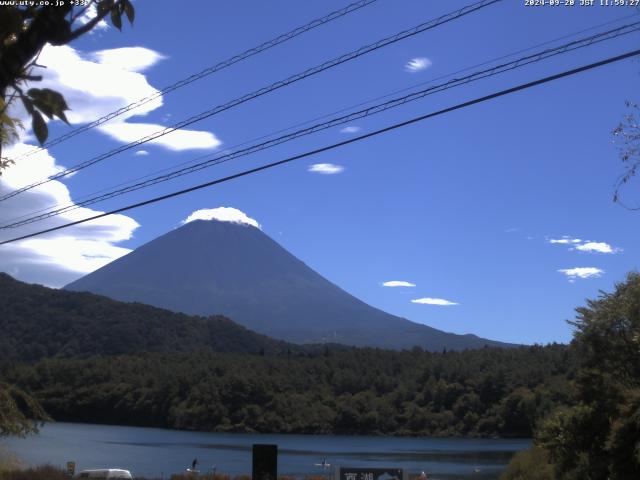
x=38 y=322
x=213 y=267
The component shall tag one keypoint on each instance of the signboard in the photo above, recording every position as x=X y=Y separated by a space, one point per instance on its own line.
x=356 y=473
x=265 y=462
x=71 y=468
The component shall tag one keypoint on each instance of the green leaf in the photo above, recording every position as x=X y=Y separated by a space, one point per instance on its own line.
x=49 y=96
x=129 y=11
x=43 y=107
x=49 y=102
x=116 y=18
x=39 y=127
x=28 y=104
x=62 y=117
x=104 y=6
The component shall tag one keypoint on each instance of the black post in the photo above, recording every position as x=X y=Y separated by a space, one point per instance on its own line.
x=265 y=462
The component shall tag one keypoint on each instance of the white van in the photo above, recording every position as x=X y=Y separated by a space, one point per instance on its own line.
x=104 y=474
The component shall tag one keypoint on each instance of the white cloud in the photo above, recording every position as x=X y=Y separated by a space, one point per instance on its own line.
x=398 y=283
x=93 y=89
x=585 y=245
x=222 y=214
x=76 y=254
x=599 y=247
x=92 y=84
x=140 y=153
x=326 y=168
x=350 y=129
x=131 y=59
x=434 y=301
x=417 y=64
x=565 y=240
x=581 y=272
x=60 y=257
x=176 y=140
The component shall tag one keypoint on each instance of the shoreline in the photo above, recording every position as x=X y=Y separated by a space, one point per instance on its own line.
x=152 y=452
x=305 y=433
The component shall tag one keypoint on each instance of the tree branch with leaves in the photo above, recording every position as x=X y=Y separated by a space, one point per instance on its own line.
x=627 y=136
x=20 y=413
x=24 y=32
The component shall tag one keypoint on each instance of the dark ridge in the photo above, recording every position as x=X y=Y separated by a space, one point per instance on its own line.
x=38 y=322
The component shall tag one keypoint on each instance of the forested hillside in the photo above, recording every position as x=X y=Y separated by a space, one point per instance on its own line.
x=90 y=359
x=486 y=392
x=38 y=322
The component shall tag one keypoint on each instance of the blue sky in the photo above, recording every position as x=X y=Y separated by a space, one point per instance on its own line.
x=464 y=206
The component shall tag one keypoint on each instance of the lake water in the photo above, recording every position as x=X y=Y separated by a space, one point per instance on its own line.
x=153 y=452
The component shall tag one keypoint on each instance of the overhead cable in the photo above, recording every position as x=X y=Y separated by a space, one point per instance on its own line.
x=459 y=13
x=205 y=73
x=333 y=146
x=372 y=110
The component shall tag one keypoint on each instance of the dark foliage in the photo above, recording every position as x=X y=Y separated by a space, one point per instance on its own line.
x=486 y=392
x=39 y=322
x=598 y=435
x=19 y=411
x=532 y=464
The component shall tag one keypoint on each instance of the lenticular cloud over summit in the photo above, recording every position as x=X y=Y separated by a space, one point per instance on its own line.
x=223 y=214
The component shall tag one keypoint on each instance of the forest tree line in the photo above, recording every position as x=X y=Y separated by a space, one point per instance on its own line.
x=487 y=392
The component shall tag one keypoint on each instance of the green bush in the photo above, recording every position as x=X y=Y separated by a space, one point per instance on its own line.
x=532 y=464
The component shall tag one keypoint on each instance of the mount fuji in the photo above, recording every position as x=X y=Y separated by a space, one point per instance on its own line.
x=210 y=267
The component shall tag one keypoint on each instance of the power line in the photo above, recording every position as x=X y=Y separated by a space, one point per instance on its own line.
x=345 y=109
x=395 y=126
x=206 y=72
x=89 y=200
x=461 y=12
x=360 y=104
x=466 y=69
x=585 y=42
x=455 y=82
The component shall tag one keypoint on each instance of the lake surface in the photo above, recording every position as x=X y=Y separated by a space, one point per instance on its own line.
x=153 y=452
